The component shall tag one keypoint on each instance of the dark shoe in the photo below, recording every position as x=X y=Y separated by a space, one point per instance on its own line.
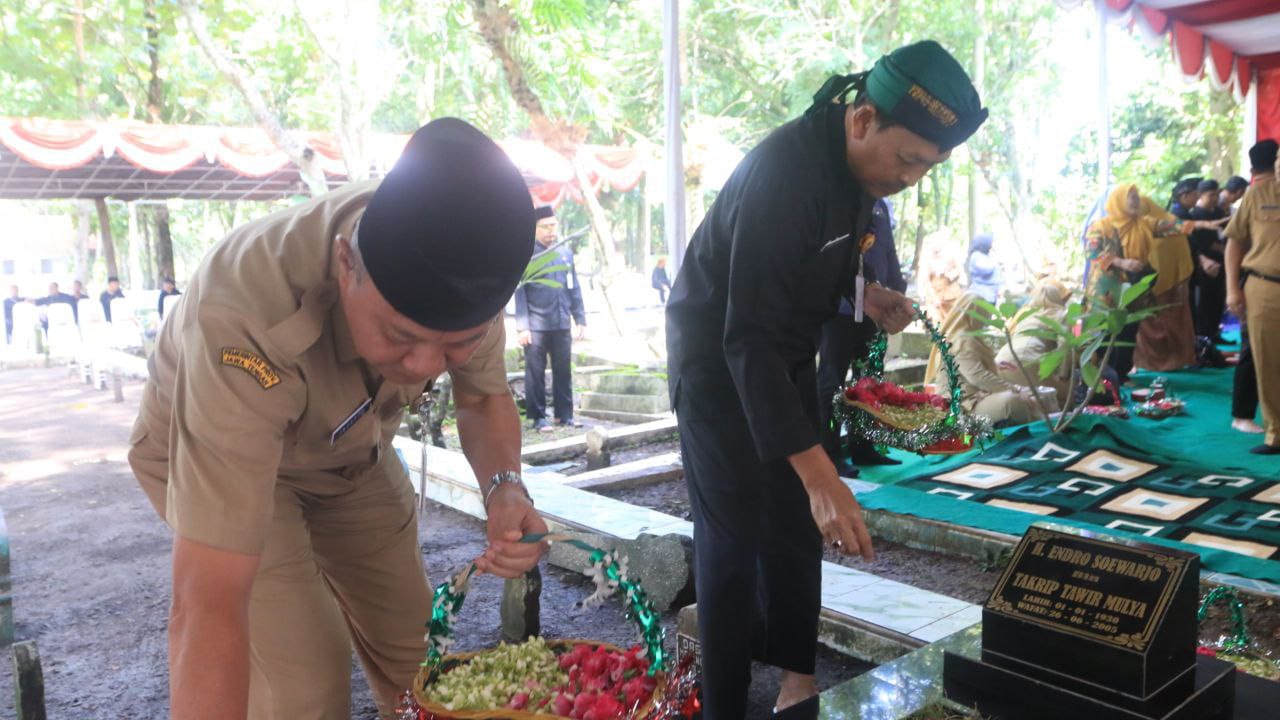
x=1265 y=450
x=865 y=455
x=846 y=469
x=541 y=425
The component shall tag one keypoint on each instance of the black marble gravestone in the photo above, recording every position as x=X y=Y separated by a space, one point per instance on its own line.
x=1079 y=627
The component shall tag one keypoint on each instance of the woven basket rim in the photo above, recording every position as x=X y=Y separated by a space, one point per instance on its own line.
x=419 y=687
x=885 y=420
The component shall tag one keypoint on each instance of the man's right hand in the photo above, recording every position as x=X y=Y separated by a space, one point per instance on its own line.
x=209 y=632
x=524 y=337
x=835 y=511
x=1235 y=302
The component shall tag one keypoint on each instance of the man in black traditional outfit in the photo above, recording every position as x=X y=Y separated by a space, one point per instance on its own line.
x=779 y=249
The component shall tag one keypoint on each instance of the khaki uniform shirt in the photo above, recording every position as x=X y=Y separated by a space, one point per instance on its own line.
x=1257 y=224
x=255 y=381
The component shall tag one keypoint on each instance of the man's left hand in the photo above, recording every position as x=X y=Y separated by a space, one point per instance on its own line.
x=511 y=517
x=891 y=310
x=582 y=333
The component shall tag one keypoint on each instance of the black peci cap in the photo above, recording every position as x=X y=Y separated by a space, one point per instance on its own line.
x=1262 y=156
x=449 y=231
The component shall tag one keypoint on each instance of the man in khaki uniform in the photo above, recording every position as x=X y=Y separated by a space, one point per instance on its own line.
x=1253 y=255
x=264 y=436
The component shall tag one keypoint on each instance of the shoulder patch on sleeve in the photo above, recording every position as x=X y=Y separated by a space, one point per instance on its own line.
x=253 y=364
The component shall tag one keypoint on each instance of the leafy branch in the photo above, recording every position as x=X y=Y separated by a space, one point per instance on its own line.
x=1088 y=327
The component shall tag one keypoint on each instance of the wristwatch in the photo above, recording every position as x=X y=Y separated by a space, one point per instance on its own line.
x=506 y=477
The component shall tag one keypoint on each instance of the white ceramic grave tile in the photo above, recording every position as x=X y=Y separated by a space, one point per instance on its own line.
x=952 y=623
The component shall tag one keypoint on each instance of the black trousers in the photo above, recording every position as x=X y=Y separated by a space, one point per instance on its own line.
x=1122 y=357
x=842 y=341
x=757 y=557
x=558 y=345
x=1210 y=295
x=1244 y=385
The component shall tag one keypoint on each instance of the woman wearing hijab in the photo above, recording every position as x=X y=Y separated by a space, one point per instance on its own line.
x=985 y=392
x=1048 y=300
x=1136 y=239
x=983 y=270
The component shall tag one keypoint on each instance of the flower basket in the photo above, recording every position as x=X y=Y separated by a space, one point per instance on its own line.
x=626 y=685
x=421 y=688
x=888 y=416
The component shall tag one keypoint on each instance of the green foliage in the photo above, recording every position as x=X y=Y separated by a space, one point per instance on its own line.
x=1099 y=326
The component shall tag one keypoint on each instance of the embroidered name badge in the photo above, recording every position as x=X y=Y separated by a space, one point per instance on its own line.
x=253 y=364
x=351 y=420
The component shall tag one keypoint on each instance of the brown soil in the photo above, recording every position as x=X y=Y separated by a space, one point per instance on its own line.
x=90 y=562
x=957 y=577
x=966 y=579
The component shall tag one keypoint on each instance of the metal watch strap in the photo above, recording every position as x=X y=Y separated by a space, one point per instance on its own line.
x=506 y=477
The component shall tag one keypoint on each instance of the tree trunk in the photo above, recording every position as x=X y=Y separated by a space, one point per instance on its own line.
x=302 y=155
x=148 y=254
x=84 y=254
x=164 y=242
x=915 y=259
x=496 y=25
x=105 y=238
x=83 y=70
x=604 y=243
x=155 y=86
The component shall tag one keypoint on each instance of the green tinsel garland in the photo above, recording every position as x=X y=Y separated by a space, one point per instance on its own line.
x=958 y=424
x=1239 y=641
x=609 y=572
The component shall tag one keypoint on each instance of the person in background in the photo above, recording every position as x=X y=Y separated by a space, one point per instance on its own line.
x=941 y=271
x=167 y=287
x=1253 y=282
x=1208 y=281
x=1184 y=197
x=77 y=290
x=983 y=270
x=985 y=391
x=844 y=339
x=660 y=281
x=1167 y=341
x=57 y=296
x=1049 y=300
x=13 y=299
x=1119 y=249
x=544 y=316
x=1232 y=190
x=112 y=292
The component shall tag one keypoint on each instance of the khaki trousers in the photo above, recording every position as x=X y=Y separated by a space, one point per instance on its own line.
x=1262 y=305
x=338 y=571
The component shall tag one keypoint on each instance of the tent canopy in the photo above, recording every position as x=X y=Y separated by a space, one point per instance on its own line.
x=1235 y=42
x=126 y=160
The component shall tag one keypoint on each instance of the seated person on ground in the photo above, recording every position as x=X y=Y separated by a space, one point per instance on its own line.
x=1048 y=299
x=985 y=391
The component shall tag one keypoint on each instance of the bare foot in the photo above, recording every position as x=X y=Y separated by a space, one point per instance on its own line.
x=794 y=688
x=1246 y=426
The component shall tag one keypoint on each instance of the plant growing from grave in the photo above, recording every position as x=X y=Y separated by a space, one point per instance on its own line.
x=1083 y=338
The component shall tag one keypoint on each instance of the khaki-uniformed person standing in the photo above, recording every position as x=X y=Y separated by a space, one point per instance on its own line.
x=264 y=437
x=1253 y=281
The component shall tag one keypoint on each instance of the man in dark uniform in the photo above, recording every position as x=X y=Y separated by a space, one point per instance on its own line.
x=112 y=292
x=844 y=339
x=1209 y=282
x=544 y=311
x=167 y=287
x=13 y=299
x=768 y=265
x=57 y=296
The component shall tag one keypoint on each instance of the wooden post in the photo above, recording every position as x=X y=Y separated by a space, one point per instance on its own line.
x=29 y=682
